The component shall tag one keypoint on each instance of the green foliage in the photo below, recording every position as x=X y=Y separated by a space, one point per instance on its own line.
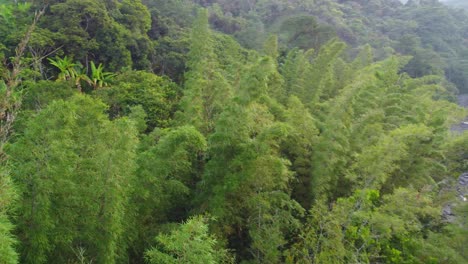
x=75 y=72
x=299 y=148
x=206 y=89
x=169 y=168
x=114 y=34
x=65 y=66
x=305 y=33
x=99 y=78
x=157 y=95
x=135 y=16
x=437 y=29
x=189 y=243
x=456 y=151
x=329 y=143
x=84 y=162
x=8 y=242
x=14 y=19
x=245 y=183
x=41 y=93
x=366 y=227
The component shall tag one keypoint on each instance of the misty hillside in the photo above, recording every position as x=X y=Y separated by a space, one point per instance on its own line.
x=432 y=33
x=233 y=131
x=456 y=3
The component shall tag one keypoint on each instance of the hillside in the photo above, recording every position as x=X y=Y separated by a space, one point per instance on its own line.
x=432 y=33
x=456 y=3
x=233 y=131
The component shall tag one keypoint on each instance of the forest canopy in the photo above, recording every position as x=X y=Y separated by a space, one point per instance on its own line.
x=233 y=131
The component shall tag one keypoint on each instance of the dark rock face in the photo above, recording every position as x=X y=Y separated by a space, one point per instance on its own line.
x=463 y=100
x=463 y=126
x=447 y=213
x=462 y=187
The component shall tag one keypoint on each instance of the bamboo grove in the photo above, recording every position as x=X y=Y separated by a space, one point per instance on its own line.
x=125 y=144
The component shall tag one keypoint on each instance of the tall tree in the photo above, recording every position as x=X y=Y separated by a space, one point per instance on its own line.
x=246 y=181
x=157 y=95
x=169 y=167
x=74 y=178
x=206 y=89
x=299 y=147
x=191 y=242
x=10 y=103
x=8 y=254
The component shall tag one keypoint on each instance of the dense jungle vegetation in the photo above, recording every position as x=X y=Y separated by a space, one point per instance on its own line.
x=232 y=131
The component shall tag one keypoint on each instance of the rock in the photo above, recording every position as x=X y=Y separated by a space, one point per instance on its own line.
x=462 y=187
x=463 y=126
x=447 y=213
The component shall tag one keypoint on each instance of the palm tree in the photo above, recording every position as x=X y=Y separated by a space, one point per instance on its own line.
x=80 y=75
x=66 y=66
x=74 y=71
x=100 y=78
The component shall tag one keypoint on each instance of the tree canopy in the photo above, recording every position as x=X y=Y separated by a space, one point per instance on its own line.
x=259 y=131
